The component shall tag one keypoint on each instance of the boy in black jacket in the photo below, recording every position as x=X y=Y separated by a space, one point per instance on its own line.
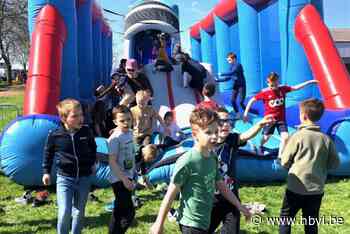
x=74 y=147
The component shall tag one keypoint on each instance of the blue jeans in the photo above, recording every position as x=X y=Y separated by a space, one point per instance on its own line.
x=72 y=195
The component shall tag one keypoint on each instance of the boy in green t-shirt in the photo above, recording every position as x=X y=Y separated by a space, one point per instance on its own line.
x=196 y=177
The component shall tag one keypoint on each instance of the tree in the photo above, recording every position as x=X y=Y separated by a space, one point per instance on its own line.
x=14 y=39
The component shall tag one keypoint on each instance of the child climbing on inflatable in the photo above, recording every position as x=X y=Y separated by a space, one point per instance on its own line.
x=162 y=62
x=273 y=98
x=122 y=163
x=308 y=155
x=73 y=146
x=227 y=148
x=196 y=170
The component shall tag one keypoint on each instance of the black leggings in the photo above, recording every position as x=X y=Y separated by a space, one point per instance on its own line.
x=123 y=211
x=228 y=214
x=241 y=90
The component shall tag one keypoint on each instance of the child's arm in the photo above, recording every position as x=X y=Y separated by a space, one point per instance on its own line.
x=49 y=153
x=157 y=227
x=249 y=105
x=231 y=197
x=289 y=152
x=112 y=160
x=333 y=158
x=302 y=85
x=251 y=132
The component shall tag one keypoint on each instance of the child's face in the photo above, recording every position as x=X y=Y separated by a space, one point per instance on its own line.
x=272 y=84
x=142 y=101
x=168 y=120
x=123 y=121
x=74 y=119
x=302 y=116
x=207 y=137
x=230 y=60
x=148 y=154
x=225 y=124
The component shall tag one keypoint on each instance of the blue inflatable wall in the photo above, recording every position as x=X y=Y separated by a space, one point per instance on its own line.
x=196 y=49
x=97 y=52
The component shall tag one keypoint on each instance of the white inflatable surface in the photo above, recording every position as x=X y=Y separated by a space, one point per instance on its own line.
x=184 y=98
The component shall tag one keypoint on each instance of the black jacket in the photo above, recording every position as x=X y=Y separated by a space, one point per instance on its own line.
x=75 y=153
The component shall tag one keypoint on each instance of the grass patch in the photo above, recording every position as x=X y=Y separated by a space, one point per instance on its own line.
x=9 y=113
x=26 y=219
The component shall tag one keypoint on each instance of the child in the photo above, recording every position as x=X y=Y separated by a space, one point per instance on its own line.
x=74 y=147
x=122 y=163
x=208 y=92
x=237 y=75
x=226 y=149
x=308 y=155
x=273 y=98
x=195 y=176
x=172 y=134
x=144 y=117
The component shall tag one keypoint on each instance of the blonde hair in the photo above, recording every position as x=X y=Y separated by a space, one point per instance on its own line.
x=66 y=106
x=142 y=94
x=202 y=118
x=149 y=152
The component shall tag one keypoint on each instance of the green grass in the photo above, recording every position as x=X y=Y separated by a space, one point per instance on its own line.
x=26 y=219
x=9 y=113
x=23 y=219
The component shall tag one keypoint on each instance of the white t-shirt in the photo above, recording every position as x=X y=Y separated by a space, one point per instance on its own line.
x=121 y=145
x=173 y=130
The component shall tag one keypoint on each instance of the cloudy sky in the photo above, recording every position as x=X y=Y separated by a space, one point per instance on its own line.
x=336 y=14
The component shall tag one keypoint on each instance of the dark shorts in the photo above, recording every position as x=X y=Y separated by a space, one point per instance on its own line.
x=191 y=230
x=280 y=125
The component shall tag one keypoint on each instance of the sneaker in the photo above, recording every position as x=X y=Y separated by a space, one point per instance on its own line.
x=25 y=199
x=136 y=201
x=172 y=215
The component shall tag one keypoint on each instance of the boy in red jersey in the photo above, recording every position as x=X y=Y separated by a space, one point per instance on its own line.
x=274 y=97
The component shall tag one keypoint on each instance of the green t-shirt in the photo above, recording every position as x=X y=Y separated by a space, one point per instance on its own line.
x=196 y=177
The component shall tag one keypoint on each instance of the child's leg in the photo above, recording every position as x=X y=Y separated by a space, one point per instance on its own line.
x=283 y=130
x=242 y=95
x=65 y=191
x=186 y=79
x=311 y=211
x=79 y=202
x=123 y=212
x=234 y=99
x=292 y=203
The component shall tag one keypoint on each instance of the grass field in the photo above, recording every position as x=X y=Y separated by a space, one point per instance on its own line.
x=24 y=219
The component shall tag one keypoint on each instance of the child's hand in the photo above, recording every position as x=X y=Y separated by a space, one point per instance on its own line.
x=245 y=211
x=46 y=179
x=156 y=228
x=128 y=184
x=267 y=120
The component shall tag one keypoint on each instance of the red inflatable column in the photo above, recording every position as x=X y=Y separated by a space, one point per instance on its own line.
x=45 y=60
x=323 y=57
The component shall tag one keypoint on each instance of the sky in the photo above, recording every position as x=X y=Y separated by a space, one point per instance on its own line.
x=336 y=15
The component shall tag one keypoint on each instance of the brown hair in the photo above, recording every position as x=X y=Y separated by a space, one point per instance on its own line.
x=66 y=106
x=222 y=109
x=231 y=55
x=209 y=89
x=313 y=109
x=149 y=152
x=202 y=118
x=272 y=77
x=120 y=109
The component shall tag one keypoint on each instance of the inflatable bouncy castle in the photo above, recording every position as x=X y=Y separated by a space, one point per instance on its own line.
x=71 y=55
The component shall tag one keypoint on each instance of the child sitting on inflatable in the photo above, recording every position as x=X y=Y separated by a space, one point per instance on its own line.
x=172 y=134
x=273 y=98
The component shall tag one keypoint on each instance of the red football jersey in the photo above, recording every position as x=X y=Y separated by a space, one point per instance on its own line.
x=274 y=101
x=210 y=104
